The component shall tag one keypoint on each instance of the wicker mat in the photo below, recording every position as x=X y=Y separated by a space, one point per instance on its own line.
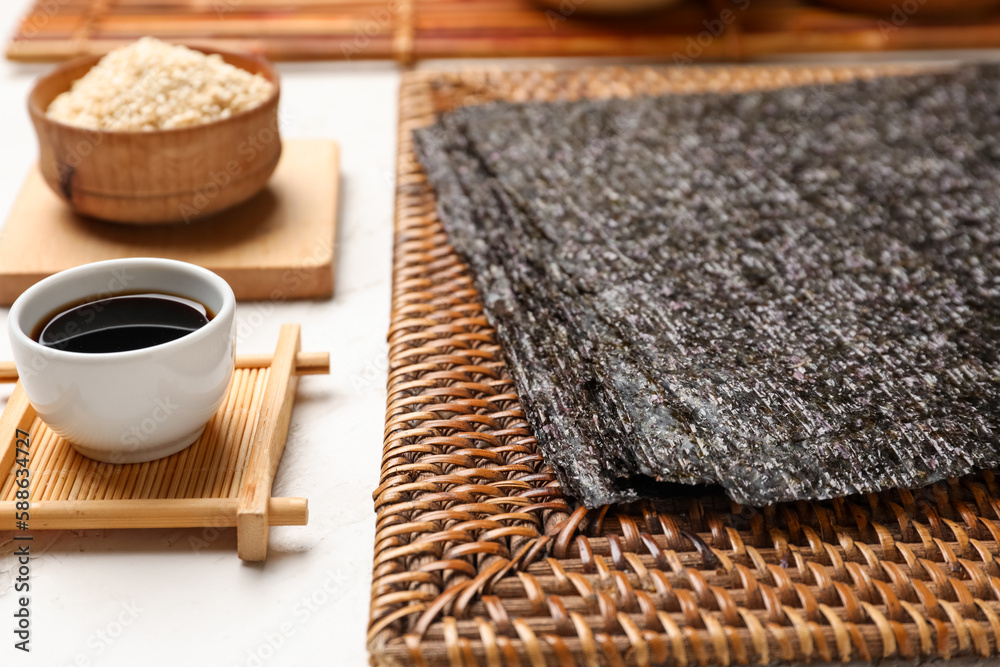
x=479 y=560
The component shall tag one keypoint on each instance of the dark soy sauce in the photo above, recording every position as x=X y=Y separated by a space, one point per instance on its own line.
x=121 y=323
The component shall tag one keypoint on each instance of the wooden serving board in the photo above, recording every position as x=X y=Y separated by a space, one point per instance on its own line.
x=410 y=30
x=278 y=245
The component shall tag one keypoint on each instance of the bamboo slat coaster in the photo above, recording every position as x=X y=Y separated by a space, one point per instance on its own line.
x=479 y=560
x=412 y=30
x=222 y=480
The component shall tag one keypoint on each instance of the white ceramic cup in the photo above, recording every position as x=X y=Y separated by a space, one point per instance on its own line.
x=137 y=405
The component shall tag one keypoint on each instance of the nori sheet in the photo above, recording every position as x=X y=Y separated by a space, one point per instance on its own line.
x=792 y=293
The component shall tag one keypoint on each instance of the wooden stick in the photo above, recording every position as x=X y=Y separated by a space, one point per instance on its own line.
x=252 y=522
x=17 y=415
x=306 y=363
x=150 y=513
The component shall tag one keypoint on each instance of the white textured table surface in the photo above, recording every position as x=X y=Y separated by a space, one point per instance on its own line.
x=182 y=597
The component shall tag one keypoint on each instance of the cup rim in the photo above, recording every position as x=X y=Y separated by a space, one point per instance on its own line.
x=16 y=328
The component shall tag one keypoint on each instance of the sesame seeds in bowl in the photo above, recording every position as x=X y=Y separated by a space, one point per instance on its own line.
x=152 y=85
x=146 y=134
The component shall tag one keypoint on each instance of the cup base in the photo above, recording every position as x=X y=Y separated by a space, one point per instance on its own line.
x=139 y=455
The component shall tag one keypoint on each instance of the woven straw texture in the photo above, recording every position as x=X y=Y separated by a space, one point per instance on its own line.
x=479 y=560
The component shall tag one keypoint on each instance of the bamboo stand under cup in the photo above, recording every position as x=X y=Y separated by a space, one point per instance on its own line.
x=222 y=480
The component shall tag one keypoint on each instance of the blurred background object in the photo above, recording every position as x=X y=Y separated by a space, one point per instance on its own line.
x=609 y=7
x=408 y=31
x=938 y=8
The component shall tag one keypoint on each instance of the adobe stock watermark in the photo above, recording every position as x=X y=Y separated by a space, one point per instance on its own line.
x=372 y=376
x=100 y=640
x=949 y=144
x=223 y=7
x=380 y=21
x=901 y=14
x=333 y=587
x=144 y=430
x=203 y=539
x=81 y=150
x=291 y=280
x=42 y=15
x=562 y=13
x=714 y=29
x=248 y=150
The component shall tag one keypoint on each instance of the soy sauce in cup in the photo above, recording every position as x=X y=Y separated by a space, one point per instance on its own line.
x=121 y=323
x=168 y=391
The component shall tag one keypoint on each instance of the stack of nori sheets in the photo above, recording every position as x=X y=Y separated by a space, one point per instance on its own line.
x=792 y=293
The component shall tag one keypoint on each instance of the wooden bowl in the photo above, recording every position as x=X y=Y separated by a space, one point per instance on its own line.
x=157 y=176
x=935 y=8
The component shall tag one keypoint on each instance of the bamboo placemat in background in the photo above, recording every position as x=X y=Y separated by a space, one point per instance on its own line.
x=409 y=30
x=479 y=560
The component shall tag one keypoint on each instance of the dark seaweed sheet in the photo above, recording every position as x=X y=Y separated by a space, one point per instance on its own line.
x=793 y=294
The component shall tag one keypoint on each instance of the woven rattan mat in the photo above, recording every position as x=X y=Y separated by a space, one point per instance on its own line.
x=479 y=560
